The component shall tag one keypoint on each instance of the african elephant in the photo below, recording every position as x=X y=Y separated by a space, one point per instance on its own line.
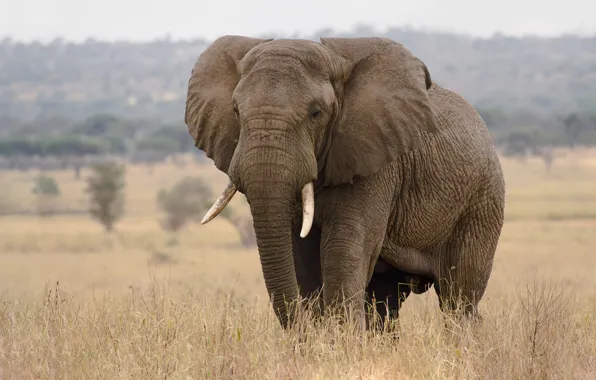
x=357 y=167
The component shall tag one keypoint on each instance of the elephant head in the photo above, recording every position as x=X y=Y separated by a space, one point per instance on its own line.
x=277 y=115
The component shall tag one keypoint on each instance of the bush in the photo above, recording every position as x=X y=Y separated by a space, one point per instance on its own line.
x=46 y=190
x=186 y=201
x=46 y=185
x=105 y=186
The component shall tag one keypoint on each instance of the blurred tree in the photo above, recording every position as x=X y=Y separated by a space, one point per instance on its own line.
x=572 y=127
x=178 y=133
x=187 y=200
x=547 y=154
x=46 y=185
x=105 y=186
x=46 y=190
x=520 y=144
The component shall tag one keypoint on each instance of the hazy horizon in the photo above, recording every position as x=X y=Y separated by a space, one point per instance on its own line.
x=144 y=20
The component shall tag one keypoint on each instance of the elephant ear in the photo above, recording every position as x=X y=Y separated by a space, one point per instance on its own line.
x=209 y=113
x=385 y=111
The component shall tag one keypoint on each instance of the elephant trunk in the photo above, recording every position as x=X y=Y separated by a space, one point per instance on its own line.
x=271 y=164
x=271 y=205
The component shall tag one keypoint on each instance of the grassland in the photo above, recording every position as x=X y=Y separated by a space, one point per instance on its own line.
x=77 y=303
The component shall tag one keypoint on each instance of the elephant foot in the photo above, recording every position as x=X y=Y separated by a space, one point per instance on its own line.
x=457 y=310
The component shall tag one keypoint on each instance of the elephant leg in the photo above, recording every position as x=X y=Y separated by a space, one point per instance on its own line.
x=307 y=264
x=347 y=252
x=468 y=261
x=353 y=220
x=387 y=290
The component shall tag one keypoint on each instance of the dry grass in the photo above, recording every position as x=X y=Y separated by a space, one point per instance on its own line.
x=139 y=304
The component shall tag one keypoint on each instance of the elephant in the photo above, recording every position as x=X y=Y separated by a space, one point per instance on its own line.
x=359 y=170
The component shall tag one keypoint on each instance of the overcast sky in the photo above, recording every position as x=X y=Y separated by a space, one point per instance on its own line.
x=147 y=19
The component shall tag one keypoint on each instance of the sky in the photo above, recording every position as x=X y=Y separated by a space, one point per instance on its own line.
x=143 y=20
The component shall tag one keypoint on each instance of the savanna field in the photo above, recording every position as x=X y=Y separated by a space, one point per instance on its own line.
x=143 y=303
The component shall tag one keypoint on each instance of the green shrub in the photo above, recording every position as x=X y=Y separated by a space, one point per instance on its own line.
x=106 y=186
x=186 y=201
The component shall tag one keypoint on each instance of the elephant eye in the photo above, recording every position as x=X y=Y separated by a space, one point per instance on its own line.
x=314 y=110
x=235 y=108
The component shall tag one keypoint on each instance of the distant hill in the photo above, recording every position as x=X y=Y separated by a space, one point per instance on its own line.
x=148 y=80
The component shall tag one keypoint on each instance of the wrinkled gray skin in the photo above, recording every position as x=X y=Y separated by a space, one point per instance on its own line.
x=407 y=182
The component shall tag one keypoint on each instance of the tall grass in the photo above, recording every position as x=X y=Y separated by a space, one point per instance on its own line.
x=149 y=335
x=202 y=313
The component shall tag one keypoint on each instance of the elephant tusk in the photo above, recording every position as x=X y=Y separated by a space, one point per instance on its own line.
x=308 y=208
x=220 y=203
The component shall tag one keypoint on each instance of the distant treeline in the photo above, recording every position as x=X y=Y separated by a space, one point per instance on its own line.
x=101 y=134
x=106 y=134
x=123 y=98
x=148 y=80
